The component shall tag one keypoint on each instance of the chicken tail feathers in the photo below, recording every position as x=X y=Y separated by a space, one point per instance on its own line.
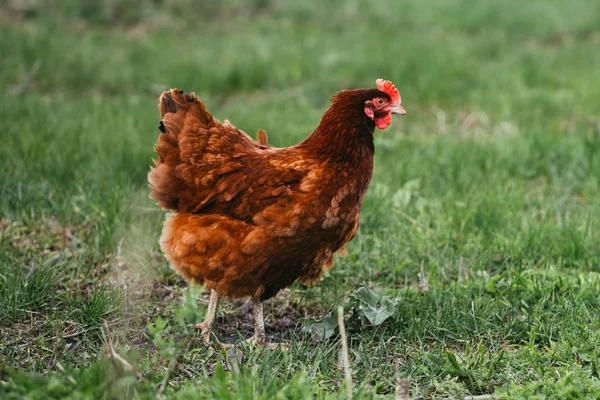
x=179 y=111
x=174 y=106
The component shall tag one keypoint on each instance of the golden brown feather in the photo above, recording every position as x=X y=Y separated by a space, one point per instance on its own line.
x=249 y=219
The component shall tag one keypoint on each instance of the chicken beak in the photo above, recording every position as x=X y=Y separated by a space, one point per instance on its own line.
x=398 y=109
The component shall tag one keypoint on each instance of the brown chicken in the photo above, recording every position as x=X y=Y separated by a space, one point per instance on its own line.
x=249 y=219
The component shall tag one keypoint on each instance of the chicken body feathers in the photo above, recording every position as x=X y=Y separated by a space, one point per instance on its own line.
x=248 y=219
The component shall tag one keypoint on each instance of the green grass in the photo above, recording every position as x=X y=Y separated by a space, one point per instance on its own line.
x=489 y=188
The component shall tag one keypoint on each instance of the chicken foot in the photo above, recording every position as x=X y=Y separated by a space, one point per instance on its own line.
x=260 y=336
x=206 y=325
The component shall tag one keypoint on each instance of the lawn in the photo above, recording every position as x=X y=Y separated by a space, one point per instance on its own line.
x=479 y=245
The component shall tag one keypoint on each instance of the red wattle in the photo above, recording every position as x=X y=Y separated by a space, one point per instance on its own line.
x=383 y=122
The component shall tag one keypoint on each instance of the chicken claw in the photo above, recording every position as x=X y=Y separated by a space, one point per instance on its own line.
x=206 y=325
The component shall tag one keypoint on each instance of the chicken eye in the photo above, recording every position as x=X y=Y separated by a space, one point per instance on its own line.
x=379 y=101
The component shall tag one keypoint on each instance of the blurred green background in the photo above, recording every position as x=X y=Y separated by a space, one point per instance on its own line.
x=482 y=216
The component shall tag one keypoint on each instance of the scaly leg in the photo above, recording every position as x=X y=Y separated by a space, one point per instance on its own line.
x=260 y=336
x=259 y=321
x=206 y=325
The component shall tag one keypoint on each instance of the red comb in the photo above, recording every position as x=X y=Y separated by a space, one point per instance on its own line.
x=390 y=89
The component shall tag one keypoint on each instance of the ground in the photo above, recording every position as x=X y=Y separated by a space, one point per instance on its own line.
x=476 y=267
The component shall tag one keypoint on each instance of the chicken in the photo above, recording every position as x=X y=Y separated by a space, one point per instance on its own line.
x=249 y=219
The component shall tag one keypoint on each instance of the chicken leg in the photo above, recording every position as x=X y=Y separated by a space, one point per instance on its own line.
x=259 y=321
x=260 y=336
x=206 y=325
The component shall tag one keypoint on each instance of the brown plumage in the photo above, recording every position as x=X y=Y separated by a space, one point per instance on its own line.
x=249 y=219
